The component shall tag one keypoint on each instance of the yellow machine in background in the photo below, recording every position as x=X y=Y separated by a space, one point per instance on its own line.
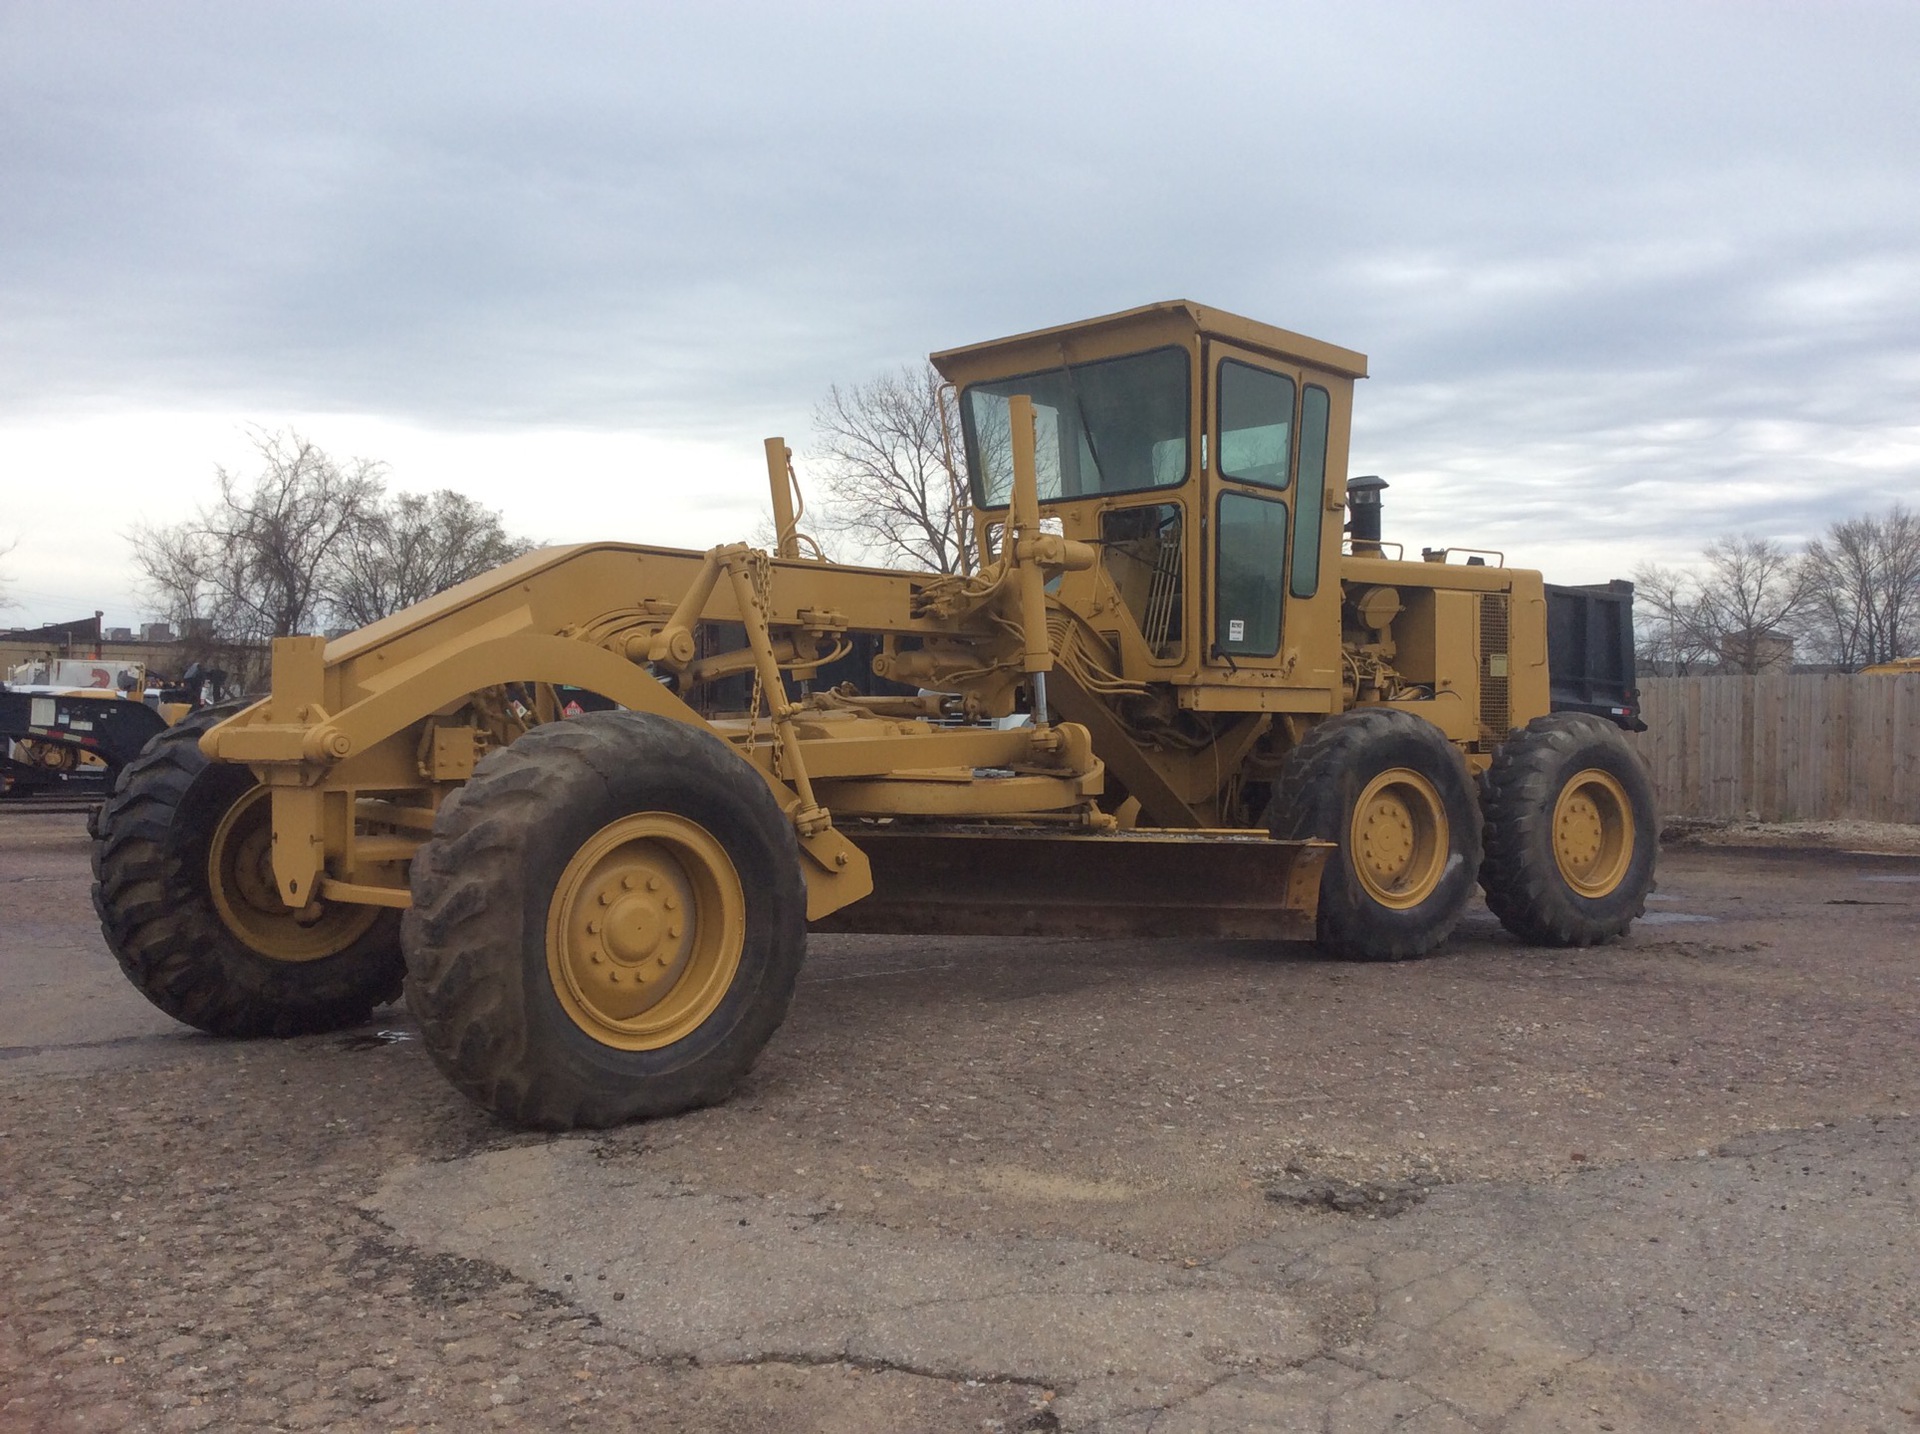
x=1238 y=724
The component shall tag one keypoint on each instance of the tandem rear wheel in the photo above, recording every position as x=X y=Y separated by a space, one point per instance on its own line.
x=1396 y=800
x=1571 y=832
x=607 y=923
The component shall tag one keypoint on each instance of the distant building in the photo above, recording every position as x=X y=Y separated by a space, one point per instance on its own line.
x=155 y=647
x=1773 y=652
x=1768 y=651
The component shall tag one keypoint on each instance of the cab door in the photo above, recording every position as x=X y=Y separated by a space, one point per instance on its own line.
x=1267 y=471
x=1253 y=422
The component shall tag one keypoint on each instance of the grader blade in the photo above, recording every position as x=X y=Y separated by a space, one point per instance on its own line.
x=1238 y=885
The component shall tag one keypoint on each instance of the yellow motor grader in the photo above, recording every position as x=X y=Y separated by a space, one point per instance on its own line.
x=1179 y=695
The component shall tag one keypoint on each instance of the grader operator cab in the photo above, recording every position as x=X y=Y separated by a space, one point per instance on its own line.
x=1242 y=723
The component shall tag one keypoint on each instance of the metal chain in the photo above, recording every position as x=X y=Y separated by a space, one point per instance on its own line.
x=760 y=574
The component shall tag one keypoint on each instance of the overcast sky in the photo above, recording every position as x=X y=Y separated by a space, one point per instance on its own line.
x=1629 y=276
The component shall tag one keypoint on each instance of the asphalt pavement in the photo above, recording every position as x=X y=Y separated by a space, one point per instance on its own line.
x=980 y=1184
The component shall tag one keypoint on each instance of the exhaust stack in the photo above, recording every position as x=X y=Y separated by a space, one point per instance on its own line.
x=1363 y=514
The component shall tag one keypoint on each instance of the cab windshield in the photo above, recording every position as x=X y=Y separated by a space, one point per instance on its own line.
x=1116 y=426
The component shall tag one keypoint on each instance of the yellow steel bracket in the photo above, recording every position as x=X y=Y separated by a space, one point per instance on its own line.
x=741 y=563
x=786 y=517
x=299 y=827
x=840 y=874
x=673 y=647
x=1031 y=552
x=788 y=506
x=841 y=861
x=1022 y=529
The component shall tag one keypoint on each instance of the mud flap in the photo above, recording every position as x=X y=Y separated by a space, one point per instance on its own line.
x=975 y=882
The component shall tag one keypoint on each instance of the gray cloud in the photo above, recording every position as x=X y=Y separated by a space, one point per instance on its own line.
x=1629 y=273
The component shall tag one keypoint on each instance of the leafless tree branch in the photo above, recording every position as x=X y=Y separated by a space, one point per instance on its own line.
x=891 y=453
x=411 y=548
x=1672 y=636
x=1739 y=609
x=1863 y=587
x=310 y=540
x=1752 y=595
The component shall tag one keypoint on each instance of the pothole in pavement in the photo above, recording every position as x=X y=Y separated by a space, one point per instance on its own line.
x=1374 y=1199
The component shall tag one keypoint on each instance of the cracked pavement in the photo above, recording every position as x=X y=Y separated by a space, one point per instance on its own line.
x=974 y=1185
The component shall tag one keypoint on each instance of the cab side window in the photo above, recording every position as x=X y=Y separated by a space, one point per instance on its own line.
x=1308 y=504
x=1256 y=424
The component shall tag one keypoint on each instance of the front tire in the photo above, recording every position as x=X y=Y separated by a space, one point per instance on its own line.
x=1571 y=832
x=1395 y=797
x=183 y=885
x=607 y=924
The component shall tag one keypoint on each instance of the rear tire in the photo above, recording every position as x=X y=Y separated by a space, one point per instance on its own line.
x=1394 y=796
x=232 y=961
x=607 y=923
x=1571 y=832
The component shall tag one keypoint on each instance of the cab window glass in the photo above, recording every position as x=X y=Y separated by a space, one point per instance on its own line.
x=1256 y=424
x=1116 y=426
x=1313 y=486
x=1252 y=549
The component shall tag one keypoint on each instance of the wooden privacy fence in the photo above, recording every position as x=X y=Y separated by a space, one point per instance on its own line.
x=1784 y=747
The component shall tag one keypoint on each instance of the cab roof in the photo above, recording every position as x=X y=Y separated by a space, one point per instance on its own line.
x=1162 y=322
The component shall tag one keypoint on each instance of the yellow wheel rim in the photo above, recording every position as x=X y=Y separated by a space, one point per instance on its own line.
x=1399 y=838
x=1593 y=833
x=645 y=931
x=240 y=878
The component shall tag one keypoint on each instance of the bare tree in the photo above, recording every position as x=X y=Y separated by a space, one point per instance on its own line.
x=891 y=452
x=255 y=563
x=1740 y=608
x=1671 y=637
x=412 y=548
x=1863 y=585
x=176 y=565
x=308 y=542
x=1750 y=598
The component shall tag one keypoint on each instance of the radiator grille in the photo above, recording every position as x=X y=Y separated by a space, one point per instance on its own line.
x=1496 y=698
